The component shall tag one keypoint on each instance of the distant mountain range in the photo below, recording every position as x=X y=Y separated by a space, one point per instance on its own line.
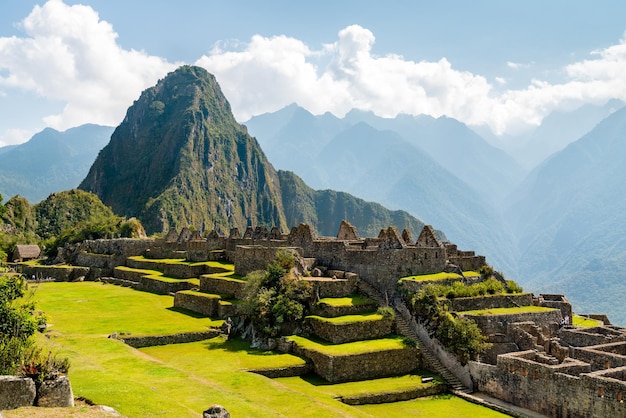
x=51 y=161
x=179 y=158
x=555 y=229
x=388 y=165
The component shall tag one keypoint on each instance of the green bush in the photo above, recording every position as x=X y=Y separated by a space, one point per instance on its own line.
x=513 y=287
x=386 y=312
x=274 y=297
x=18 y=322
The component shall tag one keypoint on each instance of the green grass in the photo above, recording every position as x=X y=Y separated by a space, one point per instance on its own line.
x=440 y=276
x=352 y=300
x=200 y=294
x=182 y=380
x=581 y=321
x=349 y=319
x=436 y=406
x=507 y=311
x=357 y=347
x=220 y=264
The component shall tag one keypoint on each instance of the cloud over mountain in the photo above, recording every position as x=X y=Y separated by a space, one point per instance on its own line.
x=71 y=57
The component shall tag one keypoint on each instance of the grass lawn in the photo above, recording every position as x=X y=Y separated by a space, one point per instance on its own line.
x=349 y=319
x=228 y=266
x=507 y=311
x=357 y=347
x=441 y=276
x=353 y=300
x=581 y=321
x=182 y=380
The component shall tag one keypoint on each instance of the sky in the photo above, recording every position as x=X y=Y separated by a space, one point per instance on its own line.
x=501 y=64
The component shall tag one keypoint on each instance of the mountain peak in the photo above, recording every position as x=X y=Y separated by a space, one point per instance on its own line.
x=179 y=158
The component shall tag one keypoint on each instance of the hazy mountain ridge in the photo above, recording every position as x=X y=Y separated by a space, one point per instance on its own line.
x=570 y=217
x=51 y=161
x=383 y=166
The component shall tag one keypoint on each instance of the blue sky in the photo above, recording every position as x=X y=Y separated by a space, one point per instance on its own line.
x=503 y=64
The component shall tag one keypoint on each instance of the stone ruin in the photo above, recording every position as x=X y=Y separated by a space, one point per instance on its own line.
x=535 y=361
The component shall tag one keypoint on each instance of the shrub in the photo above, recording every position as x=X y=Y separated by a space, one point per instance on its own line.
x=513 y=287
x=18 y=322
x=386 y=312
x=274 y=297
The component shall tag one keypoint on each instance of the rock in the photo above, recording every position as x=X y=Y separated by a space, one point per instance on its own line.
x=56 y=393
x=316 y=272
x=216 y=411
x=16 y=392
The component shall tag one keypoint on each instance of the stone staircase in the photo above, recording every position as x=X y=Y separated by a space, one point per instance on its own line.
x=430 y=361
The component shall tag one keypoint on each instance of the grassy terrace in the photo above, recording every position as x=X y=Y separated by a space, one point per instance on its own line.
x=357 y=347
x=353 y=300
x=227 y=266
x=440 y=276
x=182 y=380
x=507 y=311
x=349 y=319
x=581 y=321
x=157 y=275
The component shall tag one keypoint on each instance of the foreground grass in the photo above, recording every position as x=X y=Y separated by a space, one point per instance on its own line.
x=182 y=380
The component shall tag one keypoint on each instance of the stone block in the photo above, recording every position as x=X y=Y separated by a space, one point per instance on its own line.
x=16 y=392
x=55 y=393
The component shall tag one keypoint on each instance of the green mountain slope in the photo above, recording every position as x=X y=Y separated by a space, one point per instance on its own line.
x=179 y=158
x=325 y=209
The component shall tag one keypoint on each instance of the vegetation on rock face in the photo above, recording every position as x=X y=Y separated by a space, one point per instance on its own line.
x=325 y=209
x=460 y=336
x=64 y=217
x=275 y=299
x=180 y=158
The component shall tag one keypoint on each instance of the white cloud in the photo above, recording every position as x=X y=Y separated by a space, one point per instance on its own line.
x=69 y=54
x=15 y=136
x=270 y=73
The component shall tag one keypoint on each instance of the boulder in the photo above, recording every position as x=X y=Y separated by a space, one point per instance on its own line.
x=55 y=393
x=216 y=411
x=16 y=392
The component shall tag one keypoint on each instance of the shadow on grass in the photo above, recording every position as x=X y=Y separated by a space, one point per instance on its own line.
x=186 y=312
x=316 y=380
x=236 y=345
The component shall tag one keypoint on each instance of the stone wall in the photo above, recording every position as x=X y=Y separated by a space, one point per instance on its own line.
x=164 y=287
x=326 y=287
x=154 y=340
x=601 y=357
x=222 y=286
x=583 y=337
x=249 y=258
x=363 y=366
x=58 y=273
x=498 y=324
x=202 y=303
x=490 y=301
x=348 y=332
x=564 y=390
x=331 y=311
x=415 y=286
